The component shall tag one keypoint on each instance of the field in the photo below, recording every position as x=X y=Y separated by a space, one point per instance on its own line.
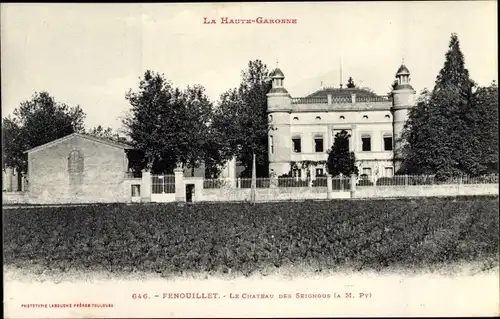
x=242 y=239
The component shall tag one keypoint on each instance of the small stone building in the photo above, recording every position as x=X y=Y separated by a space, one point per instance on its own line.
x=78 y=168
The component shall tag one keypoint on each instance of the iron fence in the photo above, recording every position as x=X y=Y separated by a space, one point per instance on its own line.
x=210 y=183
x=163 y=184
x=259 y=182
x=412 y=180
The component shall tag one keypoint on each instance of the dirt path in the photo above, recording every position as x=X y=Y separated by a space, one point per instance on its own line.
x=463 y=291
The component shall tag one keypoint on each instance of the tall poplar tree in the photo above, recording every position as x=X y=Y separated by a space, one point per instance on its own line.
x=436 y=132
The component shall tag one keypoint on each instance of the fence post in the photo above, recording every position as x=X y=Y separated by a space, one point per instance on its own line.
x=180 y=193
x=239 y=182
x=406 y=180
x=23 y=182
x=329 y=186
x=459 y=186
x=353 y=185
x=146 y=186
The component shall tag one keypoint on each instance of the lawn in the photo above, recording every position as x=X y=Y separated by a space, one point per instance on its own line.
x=245 y=239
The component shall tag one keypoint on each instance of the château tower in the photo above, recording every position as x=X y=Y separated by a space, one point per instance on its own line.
x=279 y=109
x=403 y=98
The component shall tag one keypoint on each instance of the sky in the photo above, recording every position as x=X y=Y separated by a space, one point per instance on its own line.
x=91 y=54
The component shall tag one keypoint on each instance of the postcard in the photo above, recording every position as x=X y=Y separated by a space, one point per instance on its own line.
x=250 y=159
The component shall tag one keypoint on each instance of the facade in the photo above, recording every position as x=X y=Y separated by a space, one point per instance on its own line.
x=303 y=129
x=78 y=168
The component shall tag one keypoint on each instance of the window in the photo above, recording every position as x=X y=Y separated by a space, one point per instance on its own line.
x=318 y=117
x=270 y=118
x=365 y=117
x=295 y=118
x=388 y=172
x=318 y=144
x=367 y=171
x=366 y=143
x=319 y=172
x=387 y=116
x=271 y=144
x=296 y=144
x=136 y=190
x=342 y=117
x=75 y=162
x=387 y=142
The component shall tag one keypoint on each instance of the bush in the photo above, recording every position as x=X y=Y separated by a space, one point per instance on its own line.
x=172 y=239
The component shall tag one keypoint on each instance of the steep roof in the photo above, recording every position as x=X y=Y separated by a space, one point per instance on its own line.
x=344 y=92
x=403 y=70
x=277 y=73
x=85 y=136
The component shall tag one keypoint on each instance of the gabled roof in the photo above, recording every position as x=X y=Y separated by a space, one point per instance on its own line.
x=85 y=136
x=344 y=92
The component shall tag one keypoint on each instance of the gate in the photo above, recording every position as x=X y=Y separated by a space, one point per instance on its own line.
x=162 y=188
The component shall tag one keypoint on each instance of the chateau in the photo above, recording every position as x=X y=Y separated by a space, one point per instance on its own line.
x=303 y=129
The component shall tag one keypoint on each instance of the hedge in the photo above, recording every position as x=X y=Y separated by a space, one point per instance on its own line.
x=214 y=238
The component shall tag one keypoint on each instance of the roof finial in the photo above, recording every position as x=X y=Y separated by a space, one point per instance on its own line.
x=276 y=63
x=403 y=60
x=341 y=78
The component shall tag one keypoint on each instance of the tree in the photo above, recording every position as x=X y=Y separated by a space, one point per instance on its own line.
x=107 y=133
x=436 y=132
x=340 y=160
x=100 y=131
x=481 y=119
x=350 y=83
x=224 y=131
x=154 y=122
x=37 y=121
x=167 y=125
x=245 y=118
x=12 y=143
x=195 y=135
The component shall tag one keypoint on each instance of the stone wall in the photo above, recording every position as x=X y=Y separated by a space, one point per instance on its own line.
x=15 y=198
x=271 y=194
x=425 y=190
